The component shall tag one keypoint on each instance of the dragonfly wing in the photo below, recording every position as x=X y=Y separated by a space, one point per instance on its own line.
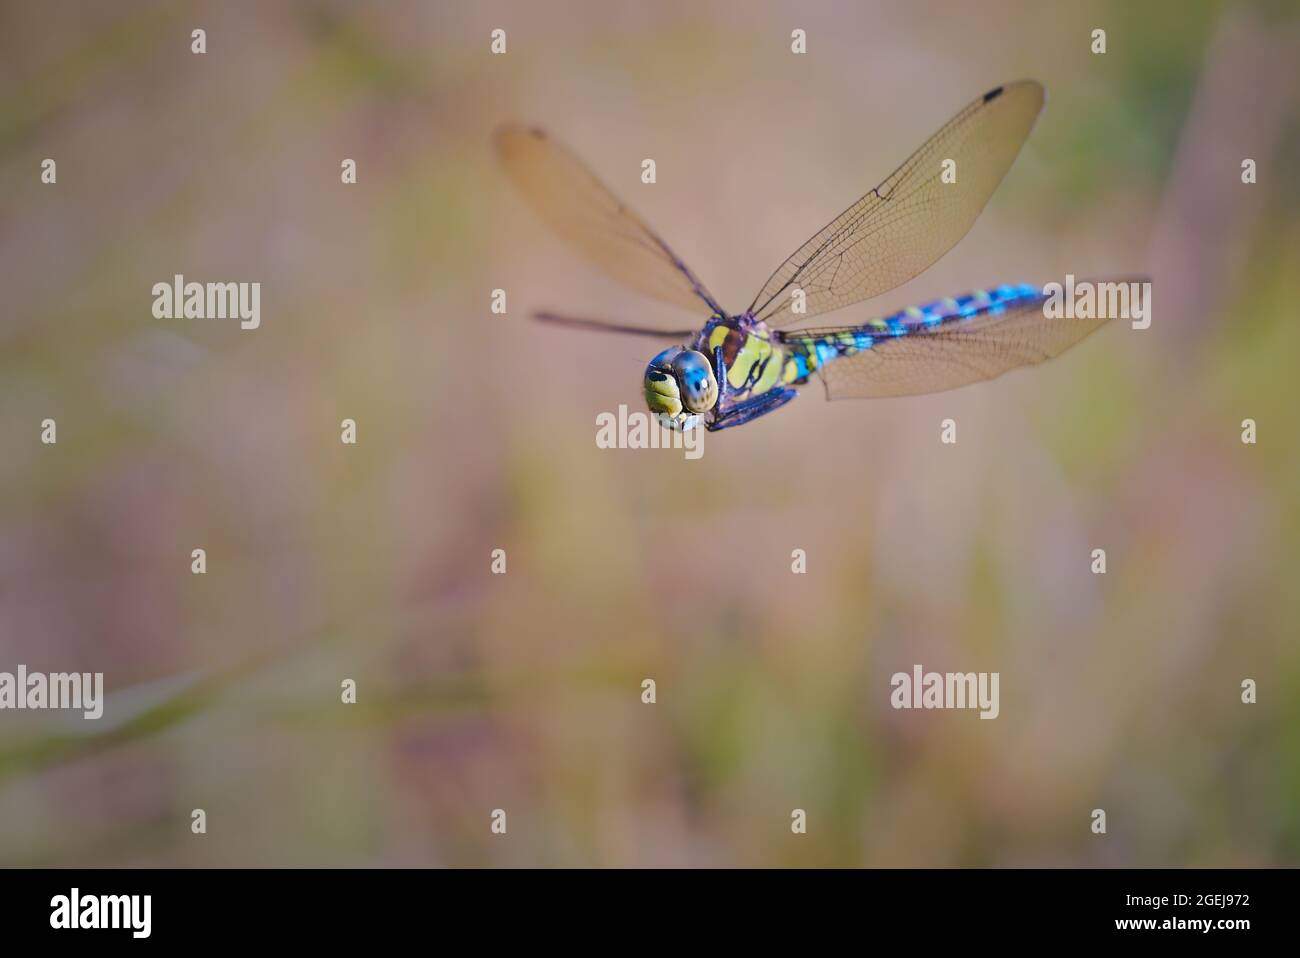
x=581 y=210
x=981 y=337
x=603 y=326
x=911 y=219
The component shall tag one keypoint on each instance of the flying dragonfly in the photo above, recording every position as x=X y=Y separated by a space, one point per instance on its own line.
x=740 y=366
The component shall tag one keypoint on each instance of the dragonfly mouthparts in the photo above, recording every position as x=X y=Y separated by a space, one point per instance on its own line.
x=682 y=424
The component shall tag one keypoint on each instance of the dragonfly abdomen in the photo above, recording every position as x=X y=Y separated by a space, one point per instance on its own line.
x=805 y=356
x=809 y=350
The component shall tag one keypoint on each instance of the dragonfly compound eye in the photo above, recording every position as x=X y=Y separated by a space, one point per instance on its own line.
x=699 y=388
x=661 y=392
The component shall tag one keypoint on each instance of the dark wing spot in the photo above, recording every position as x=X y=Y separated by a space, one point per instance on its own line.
x=993 y=94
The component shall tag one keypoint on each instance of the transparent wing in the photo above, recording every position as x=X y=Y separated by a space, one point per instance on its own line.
x=581 y=210
x=604 y=326
x=957 y=351
x=911 y=219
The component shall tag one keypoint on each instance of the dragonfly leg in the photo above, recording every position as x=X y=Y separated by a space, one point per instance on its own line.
x=721 y=366
x=742 y=412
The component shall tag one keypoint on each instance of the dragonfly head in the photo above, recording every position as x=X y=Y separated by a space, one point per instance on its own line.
x=678 y=383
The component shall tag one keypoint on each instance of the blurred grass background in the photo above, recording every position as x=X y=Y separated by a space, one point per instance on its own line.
x=476 y=432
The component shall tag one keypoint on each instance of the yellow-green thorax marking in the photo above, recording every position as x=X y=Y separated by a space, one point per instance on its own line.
x=755 y=364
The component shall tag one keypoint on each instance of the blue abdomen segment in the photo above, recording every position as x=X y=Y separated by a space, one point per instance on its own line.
x=810 y=349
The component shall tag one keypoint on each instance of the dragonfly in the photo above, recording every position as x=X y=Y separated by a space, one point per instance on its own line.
x=739 y=366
